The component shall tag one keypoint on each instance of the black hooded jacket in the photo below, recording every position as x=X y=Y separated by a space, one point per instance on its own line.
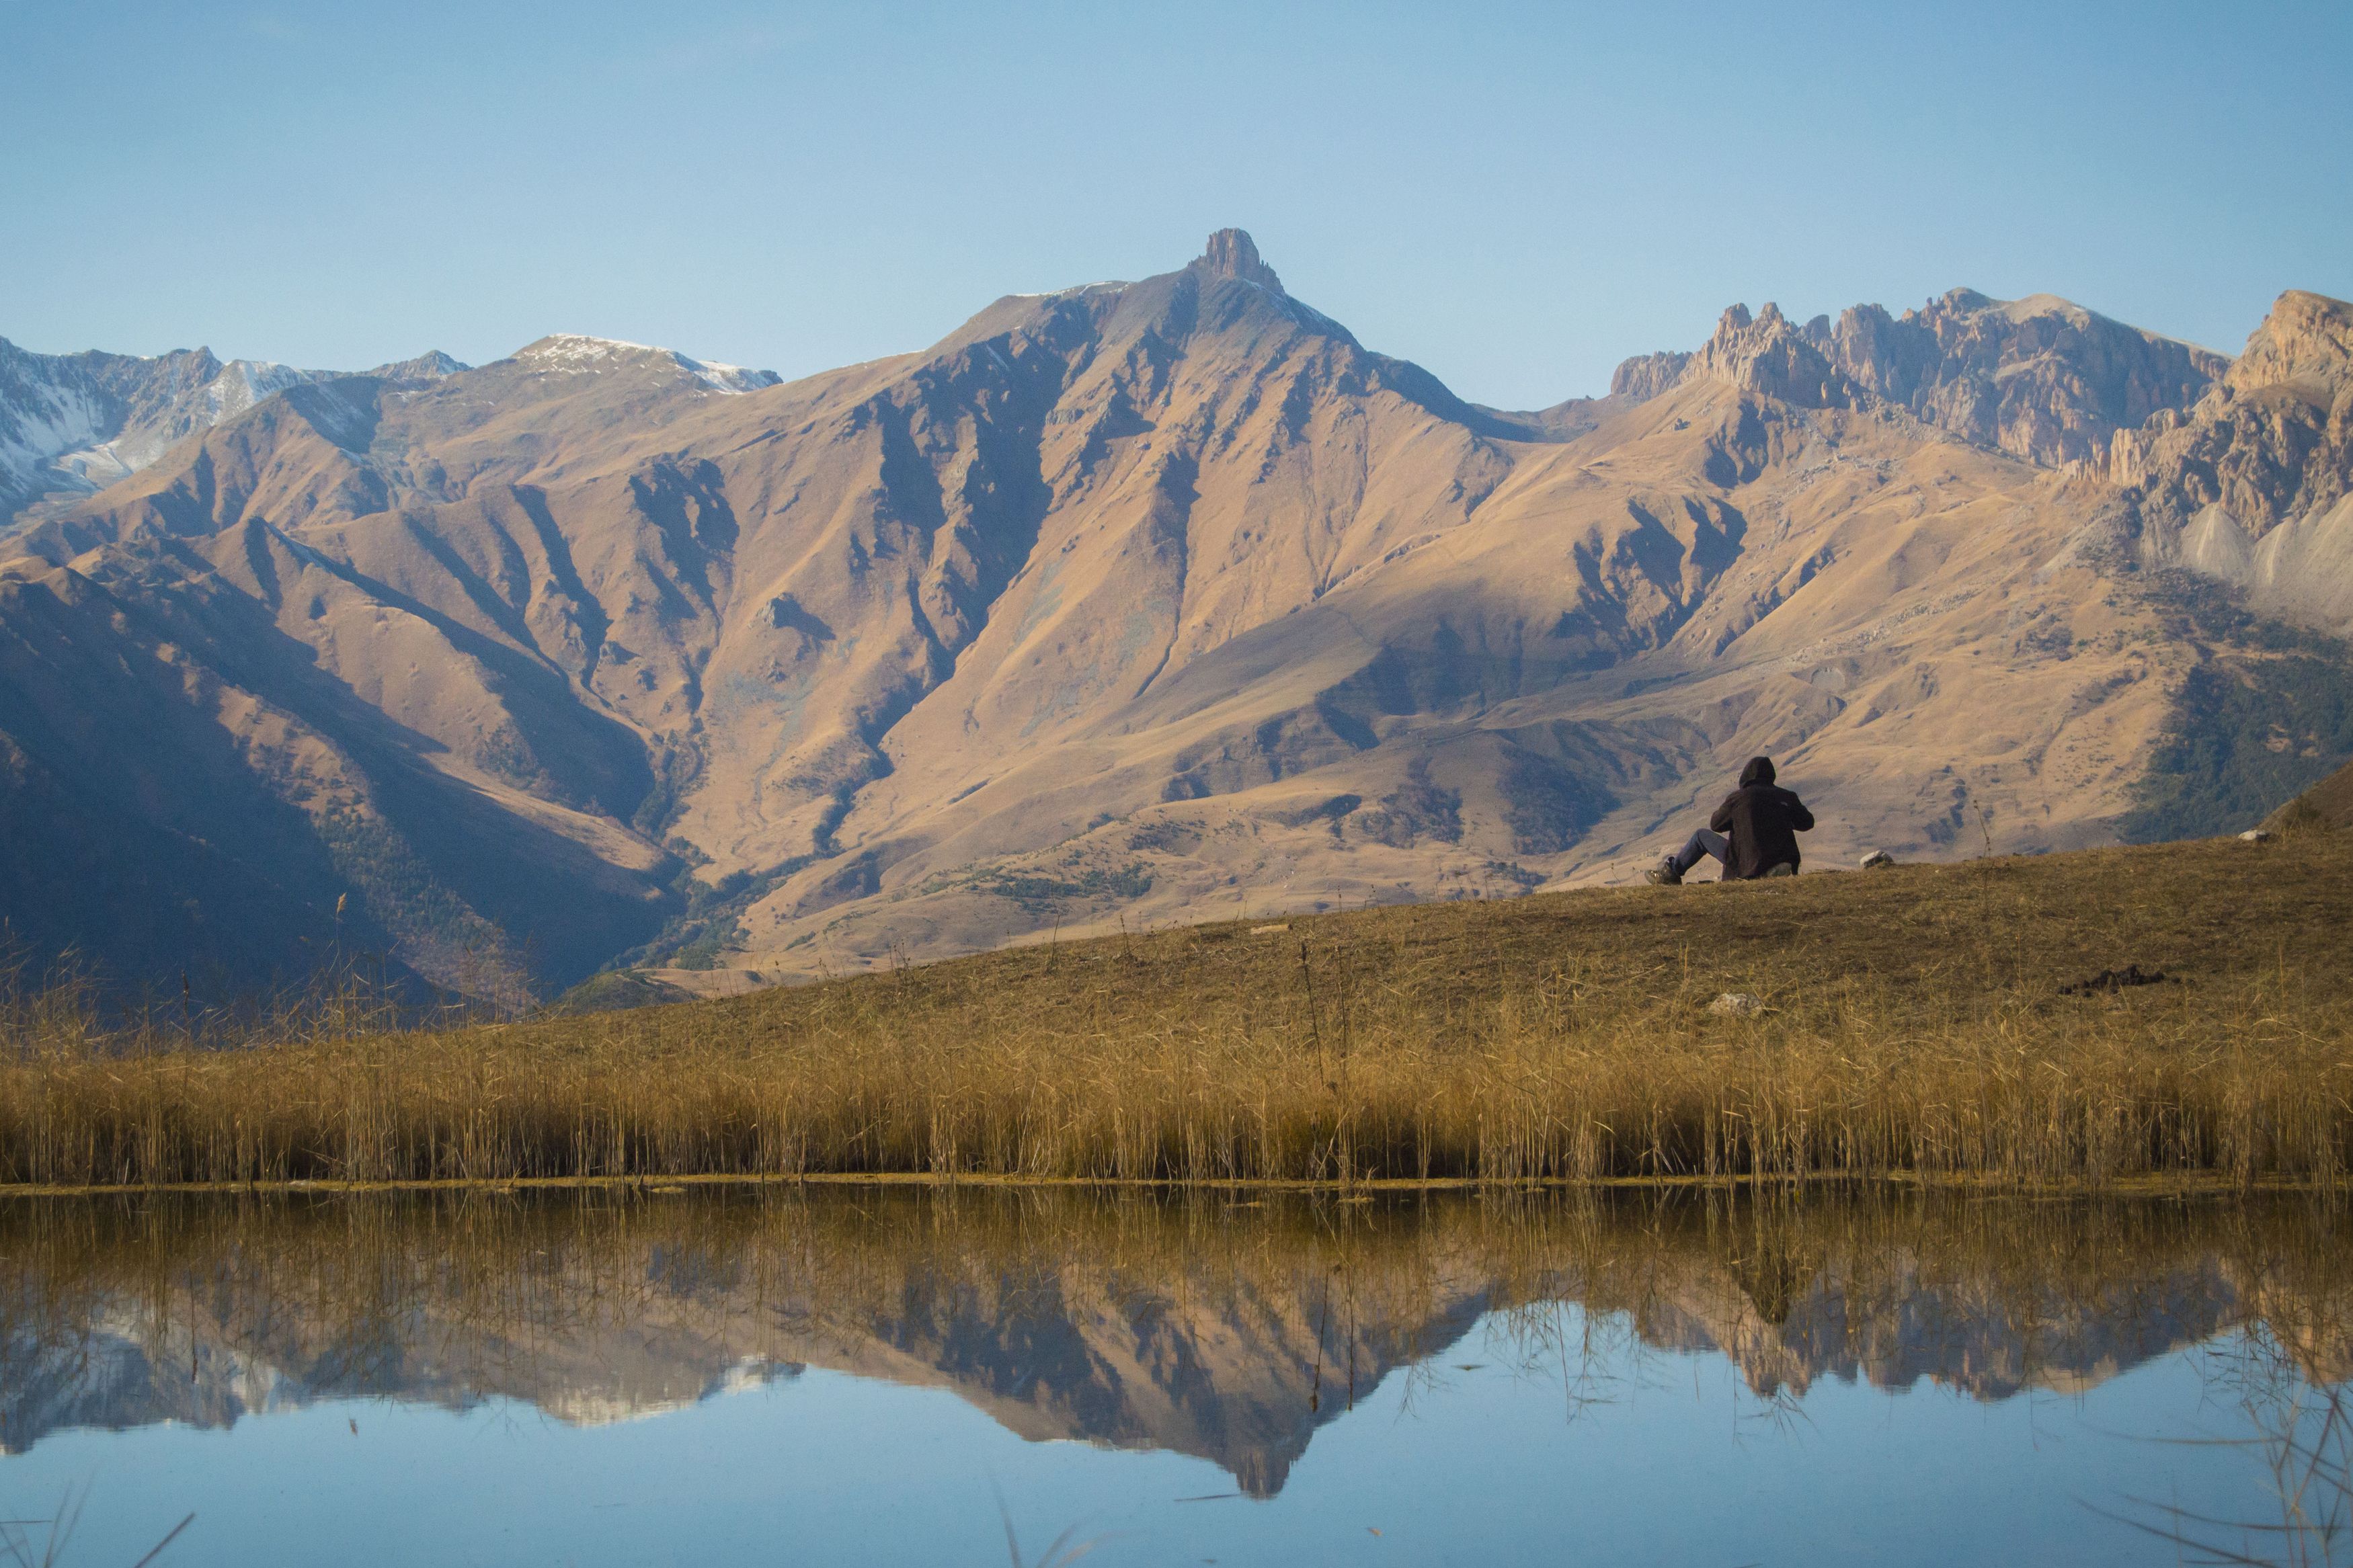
x=1763 y=822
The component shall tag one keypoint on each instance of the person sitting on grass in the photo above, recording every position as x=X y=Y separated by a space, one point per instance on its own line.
x=1754 y=832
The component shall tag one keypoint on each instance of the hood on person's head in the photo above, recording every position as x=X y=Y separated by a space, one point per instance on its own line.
x=1759 y=770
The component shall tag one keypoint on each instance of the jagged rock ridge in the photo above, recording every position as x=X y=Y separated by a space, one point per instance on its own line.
x=2250 y=484
x=77 y=423
x=2039 y=378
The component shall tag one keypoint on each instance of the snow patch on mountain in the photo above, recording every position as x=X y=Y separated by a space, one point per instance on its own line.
x=42 y=421
x=72 y=423
x=94 y=468
x=77 y=423
x=1107 y=286
x=728 y=378
x=48 y=407
x=573 y=352
x=243 y=382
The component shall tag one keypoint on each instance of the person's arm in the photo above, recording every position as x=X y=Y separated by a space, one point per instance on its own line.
x=1800 y=817
x=1721 y=821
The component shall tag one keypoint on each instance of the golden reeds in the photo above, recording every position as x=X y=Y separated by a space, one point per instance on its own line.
x=1915 y=1025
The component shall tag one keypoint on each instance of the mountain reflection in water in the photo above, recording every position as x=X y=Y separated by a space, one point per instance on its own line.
x=1225 y=1328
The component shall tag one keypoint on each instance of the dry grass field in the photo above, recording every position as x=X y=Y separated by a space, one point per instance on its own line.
x=1921 y=1022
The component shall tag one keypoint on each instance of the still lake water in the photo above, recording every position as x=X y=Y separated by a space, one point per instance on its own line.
x=861 y=1376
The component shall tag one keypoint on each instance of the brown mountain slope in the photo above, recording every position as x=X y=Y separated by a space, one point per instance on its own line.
x=1131 y=602
x=1522 y=690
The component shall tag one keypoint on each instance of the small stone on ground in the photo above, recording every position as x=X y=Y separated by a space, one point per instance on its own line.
x=1736 y=1004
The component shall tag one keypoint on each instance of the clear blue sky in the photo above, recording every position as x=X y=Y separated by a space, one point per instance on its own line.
x=1514 y=196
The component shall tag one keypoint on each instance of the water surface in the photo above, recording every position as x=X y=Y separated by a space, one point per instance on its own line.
x=851 y=1375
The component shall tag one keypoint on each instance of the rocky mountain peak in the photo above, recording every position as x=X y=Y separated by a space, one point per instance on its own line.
x=572 y=350
x=2306 y=338
x=2039 y=378
x=430 y=365
x=1645 y=376
x=79 y=422
x=2253 y=484
x=1764 y=354
x=574 y=353
x=1231 y=253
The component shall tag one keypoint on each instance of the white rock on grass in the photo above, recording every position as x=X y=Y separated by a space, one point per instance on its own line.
x=1736 y=1004
x=1876 y=859
x=2256 y=836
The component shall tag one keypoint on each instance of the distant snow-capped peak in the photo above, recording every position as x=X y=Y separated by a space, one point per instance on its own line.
x=576 y=353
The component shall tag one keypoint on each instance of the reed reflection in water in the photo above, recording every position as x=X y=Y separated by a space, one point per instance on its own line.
x=1228 y=1328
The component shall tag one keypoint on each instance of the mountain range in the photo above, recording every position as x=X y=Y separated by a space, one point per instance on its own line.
x=1122 y=604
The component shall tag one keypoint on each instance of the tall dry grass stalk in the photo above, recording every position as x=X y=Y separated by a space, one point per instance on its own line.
x=1916 y=1027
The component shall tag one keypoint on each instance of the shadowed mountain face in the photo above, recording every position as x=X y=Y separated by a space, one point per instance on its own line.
x=75 y=423
x=1133 y=602
x=1230 y=1333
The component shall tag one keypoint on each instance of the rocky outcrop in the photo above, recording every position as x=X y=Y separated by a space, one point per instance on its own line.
x=2253 y=484
x=1231 y=253
x=2305 y=343
x=1759 y=354
x=2270 y=443
x=1646 y=376
x=2038 y=378
x=1767 y=355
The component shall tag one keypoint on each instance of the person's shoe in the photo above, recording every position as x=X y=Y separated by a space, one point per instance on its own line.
x=1665 y=875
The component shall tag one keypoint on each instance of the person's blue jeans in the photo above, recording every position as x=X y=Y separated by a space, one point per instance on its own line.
x=1697 y=848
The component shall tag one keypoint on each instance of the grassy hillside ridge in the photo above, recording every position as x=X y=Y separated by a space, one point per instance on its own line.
x=2327 y=805
x=1915 y=1022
